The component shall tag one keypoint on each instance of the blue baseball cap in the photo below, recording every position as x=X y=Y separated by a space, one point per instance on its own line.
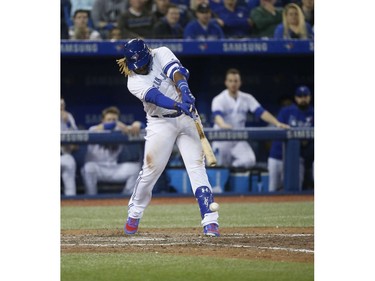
x=303 y=91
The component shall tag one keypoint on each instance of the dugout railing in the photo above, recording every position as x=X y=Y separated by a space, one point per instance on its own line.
x=291 y=139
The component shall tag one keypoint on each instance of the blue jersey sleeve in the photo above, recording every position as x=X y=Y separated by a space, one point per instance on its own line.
x=283 y=116
x=259 y=111
x=156 y=97
x=189 y=31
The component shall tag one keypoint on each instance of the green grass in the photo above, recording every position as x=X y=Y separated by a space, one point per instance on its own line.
x=153 y=266
x=167 y=267
x=288 y=214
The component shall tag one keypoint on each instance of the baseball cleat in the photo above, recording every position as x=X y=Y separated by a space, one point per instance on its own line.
x=131 y=226
x=211 y=230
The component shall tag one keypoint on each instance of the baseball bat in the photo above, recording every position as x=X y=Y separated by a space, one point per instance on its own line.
x=207 y=150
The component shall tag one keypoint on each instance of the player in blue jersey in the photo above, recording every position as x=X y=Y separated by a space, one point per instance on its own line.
x=300 y=114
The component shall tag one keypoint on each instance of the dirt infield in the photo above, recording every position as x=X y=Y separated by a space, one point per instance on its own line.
x=277 y=244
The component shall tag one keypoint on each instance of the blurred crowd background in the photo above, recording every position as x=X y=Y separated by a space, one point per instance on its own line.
x=188 y=19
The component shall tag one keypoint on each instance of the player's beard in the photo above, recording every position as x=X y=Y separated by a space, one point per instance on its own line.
x=303 y=106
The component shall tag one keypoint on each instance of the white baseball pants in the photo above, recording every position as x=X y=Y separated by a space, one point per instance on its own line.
x=68 y=174
x=234 y=154
x=161 y=135
x=276 y=173
x=93 y=172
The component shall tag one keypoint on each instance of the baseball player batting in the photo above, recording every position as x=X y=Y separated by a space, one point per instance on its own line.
x=157 y=78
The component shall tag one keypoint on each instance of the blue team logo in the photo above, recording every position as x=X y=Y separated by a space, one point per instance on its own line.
x=205 y=201
x=135 y=57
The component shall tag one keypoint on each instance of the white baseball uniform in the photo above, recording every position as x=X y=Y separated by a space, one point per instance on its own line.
x=162 y=133
x=67 y=161
x=101 y=165
x=234 y=112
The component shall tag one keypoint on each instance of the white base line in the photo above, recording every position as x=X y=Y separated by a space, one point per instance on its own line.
x=231 y=236
x=172 y=244
x=240 y=236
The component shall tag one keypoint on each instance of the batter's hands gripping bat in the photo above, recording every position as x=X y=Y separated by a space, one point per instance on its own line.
x=210 y=156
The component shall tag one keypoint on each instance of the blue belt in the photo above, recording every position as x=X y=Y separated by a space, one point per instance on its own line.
x=173 y=115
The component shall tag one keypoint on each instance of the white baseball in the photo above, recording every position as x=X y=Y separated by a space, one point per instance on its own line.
x=214 y=207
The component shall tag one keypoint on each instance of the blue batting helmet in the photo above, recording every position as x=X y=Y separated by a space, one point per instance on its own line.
x=137 y=54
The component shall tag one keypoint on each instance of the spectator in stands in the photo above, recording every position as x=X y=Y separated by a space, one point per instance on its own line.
x=81 y=5
x=160 y=9
x=246 y=4
x=195 y=3
x=115 y=34
x=186 y=15
x=185 y=3
x=169 y=27
x=265 y=18
x=307 y=7
x=101 y=161
x=149 y=4
x=204 y=27
x=293 y=25
x=137 y=20
x=229 y=110
x=233 y=19
x=65 y=7
x=105 y=14
x=215 y=5
x=251 y=4
x=300 y=114
x=67 y=162
x=80 y=29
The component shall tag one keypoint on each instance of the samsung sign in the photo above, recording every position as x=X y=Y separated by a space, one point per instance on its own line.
x=245 y=47
x=79 y=48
